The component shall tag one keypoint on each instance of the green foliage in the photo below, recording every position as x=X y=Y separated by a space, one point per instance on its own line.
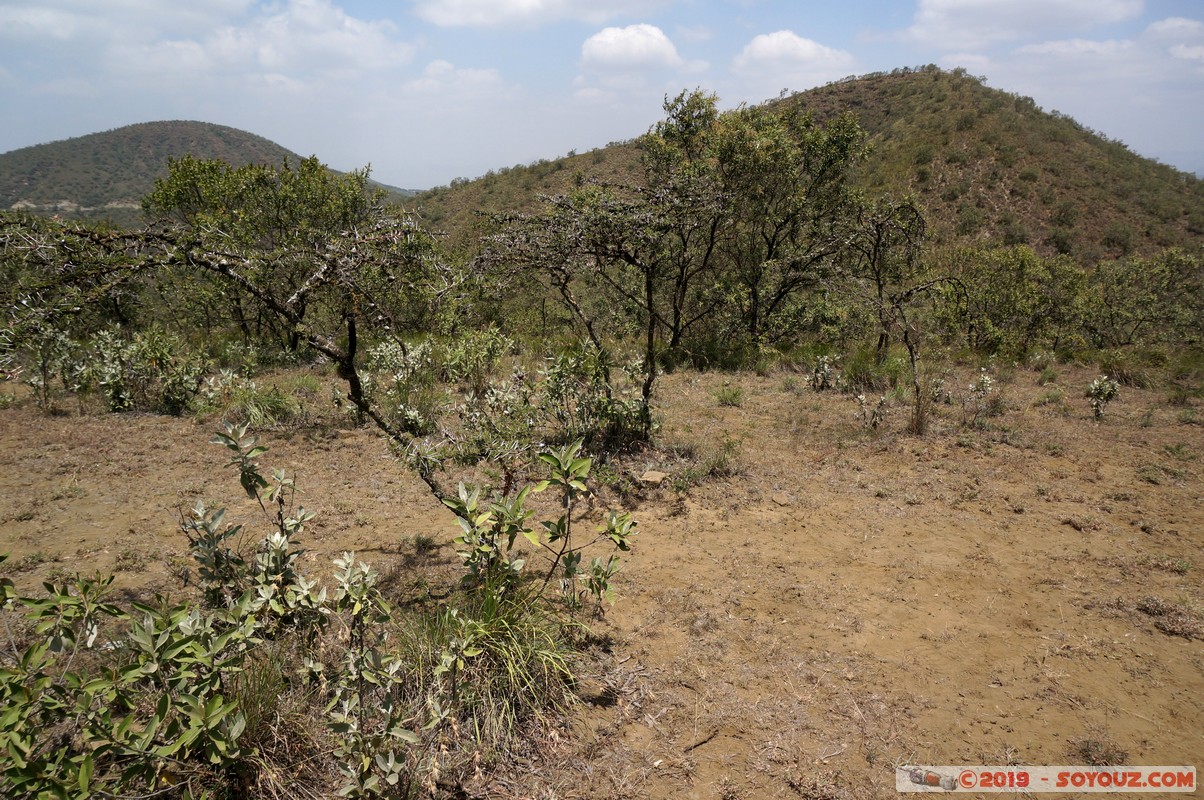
x=1011 y=301
x=151 y=371
x=865 y=371
x=1100 y=392
x=474 y=357
x=489 y=533
x=730 y=396
x=263 y=207
x=1147 y=301
x=582 y=403
x=282 y=213
x=238 y=400
x=400 y=381
x=495 y=661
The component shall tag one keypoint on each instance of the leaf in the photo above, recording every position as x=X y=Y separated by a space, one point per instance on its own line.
x=85 y=774
x=406 y=735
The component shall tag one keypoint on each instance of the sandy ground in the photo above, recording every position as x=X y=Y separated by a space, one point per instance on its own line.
x=1022 y=591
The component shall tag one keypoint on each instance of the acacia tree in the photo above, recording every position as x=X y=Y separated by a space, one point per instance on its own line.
x=372 y=279
x=595 y=240
x=1015 y=299
x=1145 y=300
x=785 y=179
x=648 y=250
x=282 y=214
x=885 y=249
x=733 y=217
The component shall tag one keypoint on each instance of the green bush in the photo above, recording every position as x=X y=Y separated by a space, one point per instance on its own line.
x=1100 y=392
x=267 y=653
x=474 y=358
x=237 y=400
x=401 y=382
x=730 y=396
x=153 y=371
x=863 y=372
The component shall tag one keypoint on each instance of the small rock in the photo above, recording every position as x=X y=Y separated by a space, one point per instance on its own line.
x=653 y=478
x=781 y=498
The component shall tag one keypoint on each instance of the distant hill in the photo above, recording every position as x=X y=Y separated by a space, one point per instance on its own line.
x=105 y=175
x=988 y=166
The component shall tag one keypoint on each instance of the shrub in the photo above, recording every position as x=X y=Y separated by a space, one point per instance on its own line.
x=730 y=396
x=1100 y=392
x=401 y=381
x=153 y=371
x=872 y=416
x=474 y=358
x=981 y=400
x=824 y=376
x=1130 y=367
x=580 y=401
x=865 y=372
x=238 y=400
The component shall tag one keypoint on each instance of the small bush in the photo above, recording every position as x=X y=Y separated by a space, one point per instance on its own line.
x=981 y=400
x=729 y=396
x=1100 y=392
x=1131 y=368
x=1050 y=397
x=231 y=398
x=864 y=373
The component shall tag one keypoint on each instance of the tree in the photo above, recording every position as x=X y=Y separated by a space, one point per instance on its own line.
x=283 y=214
x=885 y=248
x=1146 y=300
x=1015 y=299
x=595 y=240
x=366 y=281
x=785 y=178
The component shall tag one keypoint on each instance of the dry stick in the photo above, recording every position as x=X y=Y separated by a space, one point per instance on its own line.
x=714 y=732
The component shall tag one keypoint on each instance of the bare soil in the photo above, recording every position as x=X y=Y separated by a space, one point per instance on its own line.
x=834 y=601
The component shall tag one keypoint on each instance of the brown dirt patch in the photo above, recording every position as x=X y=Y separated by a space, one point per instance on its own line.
x=847 y=601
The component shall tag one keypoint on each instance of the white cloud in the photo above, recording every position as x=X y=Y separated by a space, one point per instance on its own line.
x=694 y=33
x=970 y=24
x=1191 y=52
x=58 y=20
x=441 y=77
x=38 y=23
x=481 y=13
x=1076 y=48
x=636 y=47
x=1176 y=27
x=305 y=39
x=783 y=59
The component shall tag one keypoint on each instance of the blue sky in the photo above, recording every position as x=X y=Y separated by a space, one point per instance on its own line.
x=430 y=90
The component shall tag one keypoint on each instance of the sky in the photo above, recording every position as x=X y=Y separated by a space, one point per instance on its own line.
x=425 y=91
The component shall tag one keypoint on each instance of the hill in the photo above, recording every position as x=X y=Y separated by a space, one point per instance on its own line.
x=105 y=175
x=987 y=165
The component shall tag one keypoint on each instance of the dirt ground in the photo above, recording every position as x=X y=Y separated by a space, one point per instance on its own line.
x=834 y=603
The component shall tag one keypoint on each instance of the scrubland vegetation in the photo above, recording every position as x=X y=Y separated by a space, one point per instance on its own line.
x=513 y=370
